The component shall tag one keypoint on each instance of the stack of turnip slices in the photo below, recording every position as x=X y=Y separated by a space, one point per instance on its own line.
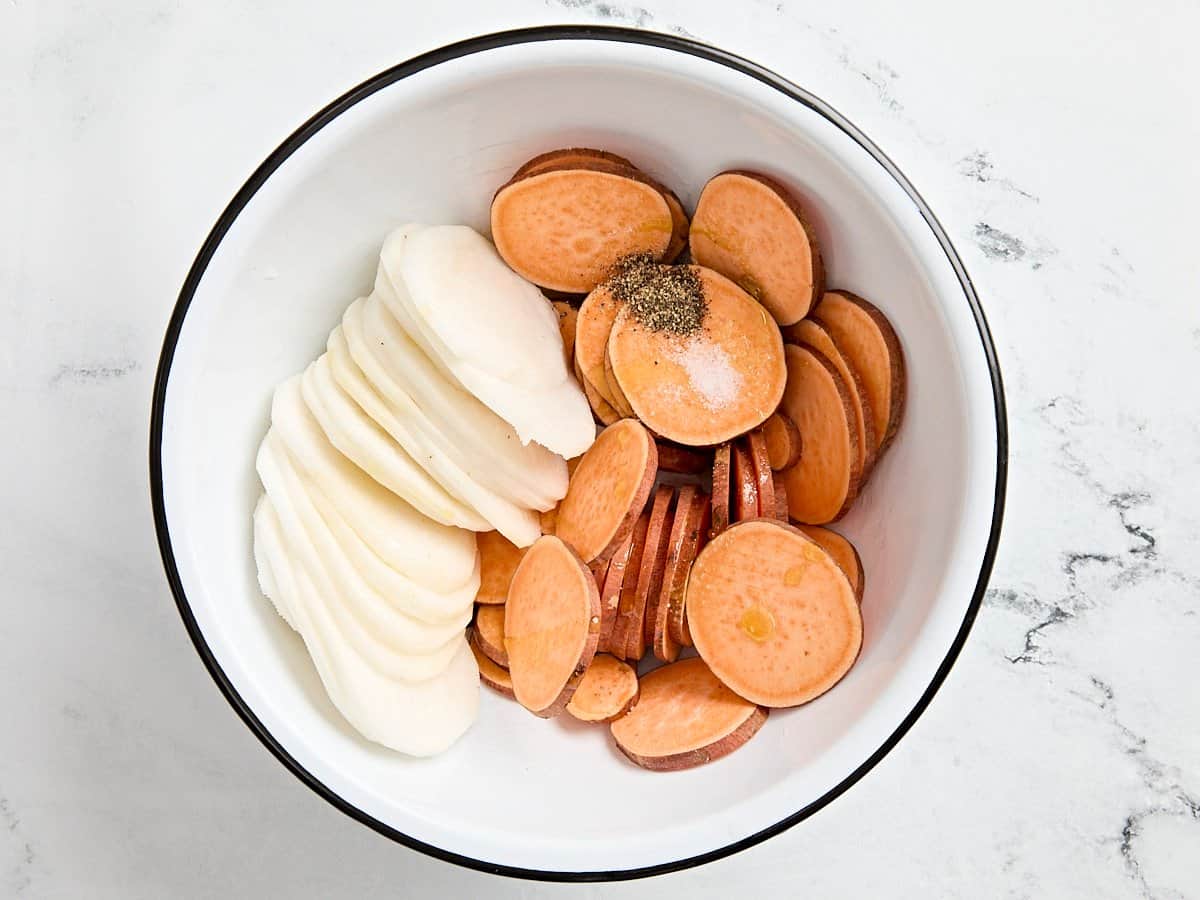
x=442 y=406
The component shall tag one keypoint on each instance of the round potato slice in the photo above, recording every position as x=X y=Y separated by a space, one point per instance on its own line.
x=551 y=625
x=705 y=387
x=608 y=690
x=773 y=614
x=823 y=484
x=685 y=717
x=565 y=229
x=752 y=229
x=607 y=490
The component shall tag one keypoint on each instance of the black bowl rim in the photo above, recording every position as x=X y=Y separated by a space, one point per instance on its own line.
x=436 y=57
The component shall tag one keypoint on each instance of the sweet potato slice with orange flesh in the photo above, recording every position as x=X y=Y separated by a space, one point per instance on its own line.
x=772 y=614
x=551 y=625
x=610 y=591
x=756 y=446
x=565 y=228
x=588 y=158
x=781 y=499
x=592 y=329
x=494 y=676
x=498 y=559
x=650 y=571
x=824 y=483
x=602 y=410
x=685 y=519
x=843 y=553
x=568 y=317
x=751 y=229
x=871 y=347
x=813 y=333
x=618 y=641
x=745 y=485
x=722 y=487
x=608 y=690
x=608 y=490
x=619 y=401
x=487 y=633
x=710 y=385
x=783 y=441
x=697 y=537
x=683 y=460
x=685 y=717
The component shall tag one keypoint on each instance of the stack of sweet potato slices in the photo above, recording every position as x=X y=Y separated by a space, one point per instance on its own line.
x=690 y=526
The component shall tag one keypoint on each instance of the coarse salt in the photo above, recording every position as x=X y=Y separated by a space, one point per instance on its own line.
x=713 y=377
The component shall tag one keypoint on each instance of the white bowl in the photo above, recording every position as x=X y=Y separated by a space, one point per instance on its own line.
x=430 y=140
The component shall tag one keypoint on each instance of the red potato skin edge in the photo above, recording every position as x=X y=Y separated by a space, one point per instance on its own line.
x=677 y=762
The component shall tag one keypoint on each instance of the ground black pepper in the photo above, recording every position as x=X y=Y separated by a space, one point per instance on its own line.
x=662 y=298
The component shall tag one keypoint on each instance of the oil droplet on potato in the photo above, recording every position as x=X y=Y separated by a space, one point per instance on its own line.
x=757 y=623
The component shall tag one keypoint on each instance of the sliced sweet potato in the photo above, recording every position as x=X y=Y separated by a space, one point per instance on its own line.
x=697 y=537
x=843 y=553
x=760 y=462
x=564 y=228
x=722 y=488
x=498 y=559
x=554 y=159
x=619 y=401
x=487 y=633
x=599 y=570
x=618 y=641
x=824 y=483
x=650 y=571
x=871 y=347
x=568 y=317
x=610 y=591
x=551 y=625
x=658 y=613
x=603 y=411
x=608 y=690
x=783 y=441
x=685 y=717
x=494 y=676
x=586 y=157
x=710 y=385
x=745 y=485
x=781 y=498
x=751 y=229
x=813 y=333
x=772 y=614
x=608 y=490
x=592 y=328
x=683 y=460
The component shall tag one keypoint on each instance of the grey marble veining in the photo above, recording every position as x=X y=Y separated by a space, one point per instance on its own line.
x=1057 y=146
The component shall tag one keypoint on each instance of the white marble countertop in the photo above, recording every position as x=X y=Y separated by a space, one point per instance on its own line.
x=1057 y=143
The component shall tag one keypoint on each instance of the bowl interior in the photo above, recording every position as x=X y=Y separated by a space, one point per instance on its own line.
x=516 y=791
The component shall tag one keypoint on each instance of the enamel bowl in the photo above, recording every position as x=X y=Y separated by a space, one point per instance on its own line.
x=430 y=140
